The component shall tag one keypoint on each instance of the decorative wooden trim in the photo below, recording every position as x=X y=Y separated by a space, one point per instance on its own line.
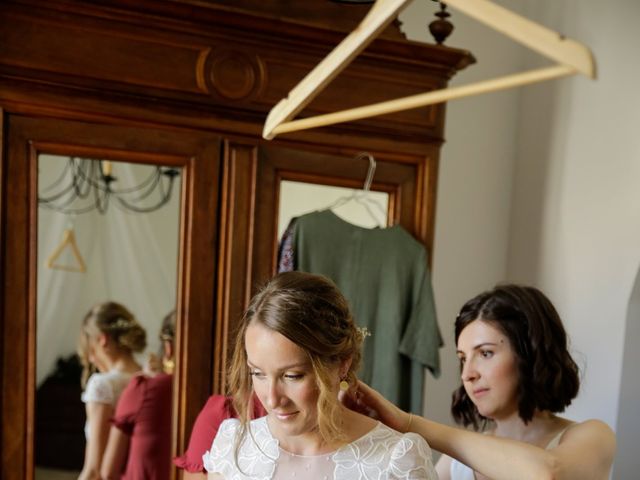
x=17 y=335
x=196 y=282
x=200 y=69
x=236 y=248
x=425 y=199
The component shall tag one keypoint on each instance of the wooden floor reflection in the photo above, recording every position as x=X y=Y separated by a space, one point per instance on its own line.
x=52 y=474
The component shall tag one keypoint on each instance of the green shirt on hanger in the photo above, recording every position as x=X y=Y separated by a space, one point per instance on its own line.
x=383 y=274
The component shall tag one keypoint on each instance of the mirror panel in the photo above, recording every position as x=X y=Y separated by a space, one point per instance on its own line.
x=107 y=231
x=297 y=198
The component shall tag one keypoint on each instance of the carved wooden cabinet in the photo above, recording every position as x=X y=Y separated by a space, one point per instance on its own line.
x=188 y=83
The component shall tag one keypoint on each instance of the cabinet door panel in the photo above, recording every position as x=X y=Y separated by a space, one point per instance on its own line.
x=197 y=155
x=252 y=179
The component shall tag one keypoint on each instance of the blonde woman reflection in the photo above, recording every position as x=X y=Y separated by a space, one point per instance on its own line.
x=297 y=346
x=109 y=337
x=139 y=446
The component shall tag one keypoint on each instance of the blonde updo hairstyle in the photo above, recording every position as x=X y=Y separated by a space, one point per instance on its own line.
x=120 y=326
x=310 y=311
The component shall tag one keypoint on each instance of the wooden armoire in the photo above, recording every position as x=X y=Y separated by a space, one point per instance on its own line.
x=188 y=83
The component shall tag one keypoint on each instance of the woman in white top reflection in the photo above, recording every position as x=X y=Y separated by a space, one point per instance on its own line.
x=297 y=346
x=109 y=337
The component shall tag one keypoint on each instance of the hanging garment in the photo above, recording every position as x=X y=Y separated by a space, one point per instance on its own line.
x=383 y=274
x=143 y=414
x=285 y=248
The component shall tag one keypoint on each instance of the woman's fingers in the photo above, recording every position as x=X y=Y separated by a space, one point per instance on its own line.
x=386 y=411
x=351 y=400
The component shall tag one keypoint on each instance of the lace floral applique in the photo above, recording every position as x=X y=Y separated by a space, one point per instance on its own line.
x=257 y=456
x=385 y=454
x=411 y=459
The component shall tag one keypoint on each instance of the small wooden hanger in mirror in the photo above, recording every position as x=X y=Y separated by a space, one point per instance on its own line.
x=68 y=240
x=572 y=58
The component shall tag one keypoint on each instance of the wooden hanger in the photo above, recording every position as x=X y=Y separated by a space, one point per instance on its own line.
x=572 y=57
x=68 y=239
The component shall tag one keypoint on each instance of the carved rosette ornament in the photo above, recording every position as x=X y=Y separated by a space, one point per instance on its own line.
x=231 y=74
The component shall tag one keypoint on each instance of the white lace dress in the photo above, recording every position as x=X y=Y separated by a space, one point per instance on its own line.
x=104 y=388
x=381 y=454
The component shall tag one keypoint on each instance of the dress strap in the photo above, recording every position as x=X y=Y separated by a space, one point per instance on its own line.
x=555 y=441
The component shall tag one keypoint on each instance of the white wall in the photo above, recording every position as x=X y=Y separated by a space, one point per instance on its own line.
x=575 y=221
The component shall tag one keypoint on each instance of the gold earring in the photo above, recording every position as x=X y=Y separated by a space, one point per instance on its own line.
x=168 y=365
x=344 y=385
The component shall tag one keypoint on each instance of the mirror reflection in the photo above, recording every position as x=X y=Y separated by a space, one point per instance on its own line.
x=366 y=209
x=106 y=283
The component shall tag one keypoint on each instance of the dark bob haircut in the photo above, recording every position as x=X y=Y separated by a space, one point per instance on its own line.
x=548 y=376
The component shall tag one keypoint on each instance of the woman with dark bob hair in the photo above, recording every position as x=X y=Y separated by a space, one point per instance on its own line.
x=296 y=348
x=517 y=374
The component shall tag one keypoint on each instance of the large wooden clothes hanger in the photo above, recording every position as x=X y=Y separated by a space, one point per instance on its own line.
x=572 y=57
x=68 y=240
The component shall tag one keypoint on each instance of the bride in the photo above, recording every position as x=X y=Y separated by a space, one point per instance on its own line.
x=297 y=346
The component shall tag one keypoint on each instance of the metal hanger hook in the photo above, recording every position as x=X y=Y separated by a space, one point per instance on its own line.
x=372 y=169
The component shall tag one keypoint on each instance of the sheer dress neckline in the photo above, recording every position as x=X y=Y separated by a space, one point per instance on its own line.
x=328 y=454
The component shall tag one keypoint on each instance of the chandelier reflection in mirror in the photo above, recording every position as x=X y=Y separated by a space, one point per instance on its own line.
x=86 y=185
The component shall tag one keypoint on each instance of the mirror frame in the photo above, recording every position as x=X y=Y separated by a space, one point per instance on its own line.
x=198 y=156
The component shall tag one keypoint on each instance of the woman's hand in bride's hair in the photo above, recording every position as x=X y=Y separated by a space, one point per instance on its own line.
x=352 y=400
x=364 y=399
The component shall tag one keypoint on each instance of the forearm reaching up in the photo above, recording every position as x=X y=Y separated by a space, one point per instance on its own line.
x=585 y=452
